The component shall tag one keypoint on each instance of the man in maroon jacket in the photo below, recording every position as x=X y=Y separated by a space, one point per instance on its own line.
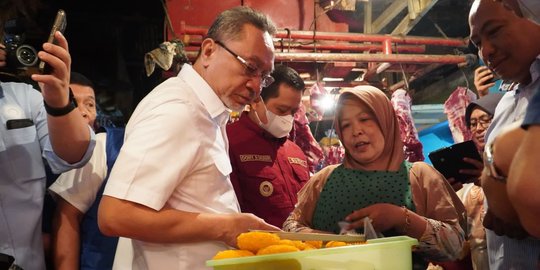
x=268 y=168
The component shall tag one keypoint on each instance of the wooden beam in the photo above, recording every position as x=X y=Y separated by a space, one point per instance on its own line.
x=368 y=14
x=388 y=15
x=408 y=23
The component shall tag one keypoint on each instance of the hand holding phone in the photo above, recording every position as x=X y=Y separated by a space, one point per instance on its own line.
x=449 y=161
x=58 y=25
x=484 y=79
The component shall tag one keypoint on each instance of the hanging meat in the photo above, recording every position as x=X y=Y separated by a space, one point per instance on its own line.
x=401 y=101
x=302 y=136
x=454 y=108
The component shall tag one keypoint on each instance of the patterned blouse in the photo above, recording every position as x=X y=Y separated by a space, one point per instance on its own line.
x=433 y=198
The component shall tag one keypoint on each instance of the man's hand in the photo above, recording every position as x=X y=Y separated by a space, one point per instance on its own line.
x=55 y=86
x=497 y=198
x=503 y=148
x=482 y=80
x=244 y=222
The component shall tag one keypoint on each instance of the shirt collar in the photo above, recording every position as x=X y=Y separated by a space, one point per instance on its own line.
x=1 y=91
x=535 y=69
x=215 y=107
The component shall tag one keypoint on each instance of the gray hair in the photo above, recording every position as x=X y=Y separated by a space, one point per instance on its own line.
x=230 y=23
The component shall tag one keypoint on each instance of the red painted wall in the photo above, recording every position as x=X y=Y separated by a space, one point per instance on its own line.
x=292 y=14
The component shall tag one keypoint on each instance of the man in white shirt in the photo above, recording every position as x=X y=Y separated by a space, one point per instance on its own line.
x=78 y=244
x=169 y=190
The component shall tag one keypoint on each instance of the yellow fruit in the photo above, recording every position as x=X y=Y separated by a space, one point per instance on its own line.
x=332 y=244
x=253 y=241
x=301 y=245
x=286 y=242
x=277 y=249
x=314 y=244
x=232 y=253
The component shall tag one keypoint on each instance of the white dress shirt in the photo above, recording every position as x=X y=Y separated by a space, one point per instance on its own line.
x=175 y=155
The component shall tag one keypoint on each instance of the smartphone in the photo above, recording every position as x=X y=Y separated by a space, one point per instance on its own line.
x=495 y=77
x=58 y=25
x=449 y=160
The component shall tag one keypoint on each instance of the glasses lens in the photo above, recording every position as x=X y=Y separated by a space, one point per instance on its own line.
x=484 y=121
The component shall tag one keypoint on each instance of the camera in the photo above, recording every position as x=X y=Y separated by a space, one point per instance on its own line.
x=18 y=54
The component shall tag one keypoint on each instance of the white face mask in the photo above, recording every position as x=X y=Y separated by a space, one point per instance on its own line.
x=530 y=9
x=278 y=126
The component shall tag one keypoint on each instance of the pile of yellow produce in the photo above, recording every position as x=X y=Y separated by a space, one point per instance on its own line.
x=263 y=243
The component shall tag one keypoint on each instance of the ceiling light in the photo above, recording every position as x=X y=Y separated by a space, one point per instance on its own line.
x=327 y=102
x=329 y=79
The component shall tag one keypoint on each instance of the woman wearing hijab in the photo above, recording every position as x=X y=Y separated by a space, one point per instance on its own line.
x=478 y=117
x=375 y=181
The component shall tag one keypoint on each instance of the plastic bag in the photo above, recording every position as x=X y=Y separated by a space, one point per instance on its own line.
x=369 y=231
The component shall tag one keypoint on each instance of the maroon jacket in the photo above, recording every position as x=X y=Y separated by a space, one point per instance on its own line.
x=267 y=172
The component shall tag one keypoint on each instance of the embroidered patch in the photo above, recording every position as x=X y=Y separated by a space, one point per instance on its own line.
x=299 y=161
x=263 y=158
x=266 y=188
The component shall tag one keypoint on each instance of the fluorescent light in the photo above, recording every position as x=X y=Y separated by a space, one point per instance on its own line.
x=329 y=79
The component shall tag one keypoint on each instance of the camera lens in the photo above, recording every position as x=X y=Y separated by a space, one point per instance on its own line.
x=26 y=55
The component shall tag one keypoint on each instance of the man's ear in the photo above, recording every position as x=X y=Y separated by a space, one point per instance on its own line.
x=208 y=47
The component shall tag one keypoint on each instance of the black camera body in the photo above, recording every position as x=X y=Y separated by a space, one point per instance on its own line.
x=18 y=54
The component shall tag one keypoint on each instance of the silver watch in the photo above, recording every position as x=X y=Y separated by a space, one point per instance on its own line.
x=489 y=162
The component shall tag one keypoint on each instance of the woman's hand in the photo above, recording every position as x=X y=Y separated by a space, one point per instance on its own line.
x=384 y=216
x=456 y=185
x=474 y=173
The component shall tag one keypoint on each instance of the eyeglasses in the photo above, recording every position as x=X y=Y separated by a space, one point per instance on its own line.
x=484 y=122
x=250 y=70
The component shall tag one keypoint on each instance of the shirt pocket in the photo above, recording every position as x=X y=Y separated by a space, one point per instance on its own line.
x=24 y=150
x=223 y=163
x=20 y=136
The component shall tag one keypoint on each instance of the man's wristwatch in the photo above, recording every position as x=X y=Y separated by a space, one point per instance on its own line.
x=64 y=110
x=489 y=162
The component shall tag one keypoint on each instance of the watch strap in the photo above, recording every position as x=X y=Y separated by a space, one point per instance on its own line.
x=56 y=112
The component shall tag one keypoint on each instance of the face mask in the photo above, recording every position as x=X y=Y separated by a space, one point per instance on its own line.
x=530 y=9
x=278 y=126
